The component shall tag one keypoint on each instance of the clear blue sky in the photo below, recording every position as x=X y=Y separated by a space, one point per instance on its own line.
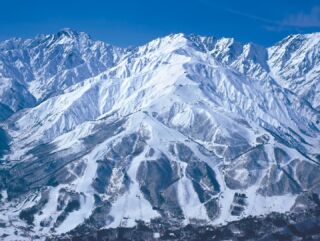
x=134 y=22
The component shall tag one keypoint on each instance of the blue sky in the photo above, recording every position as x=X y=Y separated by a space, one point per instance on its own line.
x=124 y=22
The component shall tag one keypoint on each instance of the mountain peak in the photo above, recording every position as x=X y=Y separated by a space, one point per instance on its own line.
x=68 y=32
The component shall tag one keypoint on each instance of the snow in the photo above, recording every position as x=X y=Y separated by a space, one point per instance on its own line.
x=132 y=205
x=178 y=89
x=188 y=199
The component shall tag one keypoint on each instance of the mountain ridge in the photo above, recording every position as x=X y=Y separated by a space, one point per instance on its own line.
x=75 y=37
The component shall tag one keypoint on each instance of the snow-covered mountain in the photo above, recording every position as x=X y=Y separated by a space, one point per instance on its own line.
x=184 y=128
x=33 y=70
x=295 y=63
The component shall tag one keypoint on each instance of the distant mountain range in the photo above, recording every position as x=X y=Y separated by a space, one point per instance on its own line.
x=186 y=129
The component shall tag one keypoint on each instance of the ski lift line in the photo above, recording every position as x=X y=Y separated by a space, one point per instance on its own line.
x=292 y=179
x=140 y=208
x=247 y=151
x=316 y=162
x=124 y=210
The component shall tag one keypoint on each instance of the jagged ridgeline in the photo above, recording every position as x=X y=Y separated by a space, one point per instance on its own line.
x=182 y=130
